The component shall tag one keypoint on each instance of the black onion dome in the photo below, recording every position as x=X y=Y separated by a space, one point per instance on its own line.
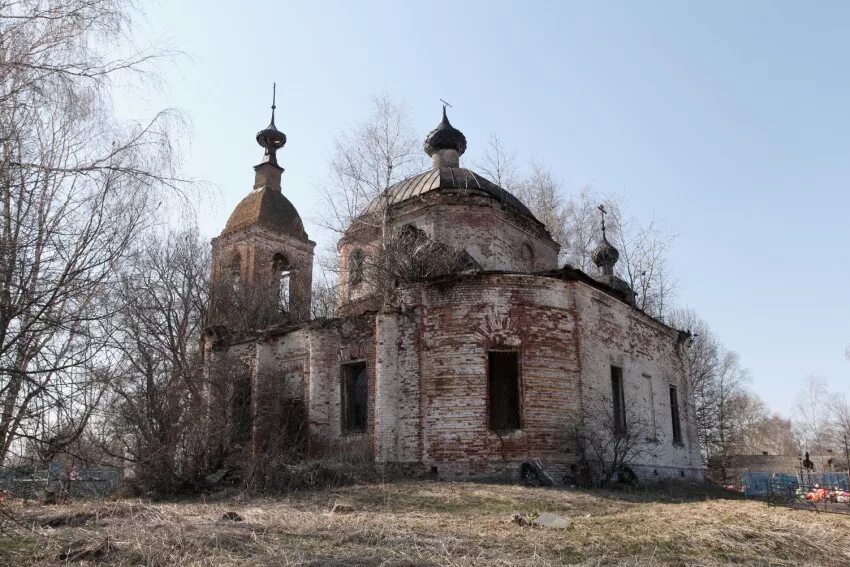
x=271 y=138
x=605 y=255
x=445 y=137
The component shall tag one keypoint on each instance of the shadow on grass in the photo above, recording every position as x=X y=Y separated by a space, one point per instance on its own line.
x=669 y=491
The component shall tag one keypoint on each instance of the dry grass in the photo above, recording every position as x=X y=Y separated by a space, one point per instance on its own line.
x=427 y=523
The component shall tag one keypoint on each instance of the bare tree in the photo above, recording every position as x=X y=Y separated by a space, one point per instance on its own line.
x=610 y=449
x=813 y=415
x=367 y=160
x=499 y=164
x=758 y=430
x=76 y=187
x=702 y=362
x=728 y=389
x=584 y=231
x=643 y=263
x=323 y=300
x=542 y=194
x=157 y=395
x=840 y=416
x=573 y=222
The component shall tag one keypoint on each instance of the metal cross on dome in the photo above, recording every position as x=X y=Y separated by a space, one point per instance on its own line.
x=604 y=212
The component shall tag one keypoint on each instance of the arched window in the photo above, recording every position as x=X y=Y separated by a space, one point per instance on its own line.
x=355 y=267
x=283 y=280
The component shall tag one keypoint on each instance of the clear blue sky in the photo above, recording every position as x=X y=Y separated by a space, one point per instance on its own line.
x=730 y=121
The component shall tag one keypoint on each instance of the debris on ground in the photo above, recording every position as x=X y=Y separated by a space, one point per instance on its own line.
x=71 y=520
x=84 y=550
x=550 y=520
x=342 y=508
x=532 y=474
x=520 y=520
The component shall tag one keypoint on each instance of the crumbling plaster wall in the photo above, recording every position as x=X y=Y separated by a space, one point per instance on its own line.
x=613 y=333
x=441 y=339
x=329 y=346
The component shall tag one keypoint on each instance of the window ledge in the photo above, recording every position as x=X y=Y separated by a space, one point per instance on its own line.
x=358 y=433
x=511 y=433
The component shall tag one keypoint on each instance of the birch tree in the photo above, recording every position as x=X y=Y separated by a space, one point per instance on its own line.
x=76 y=187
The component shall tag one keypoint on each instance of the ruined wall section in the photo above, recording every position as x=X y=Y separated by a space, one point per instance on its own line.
x=460 y=321
x=613 y=333
x=279 y=393
x=398 y=417
x=228 y=383
x=495 y=236
x=328 y=347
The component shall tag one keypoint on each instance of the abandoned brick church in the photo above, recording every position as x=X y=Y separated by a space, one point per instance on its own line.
x=465 y=371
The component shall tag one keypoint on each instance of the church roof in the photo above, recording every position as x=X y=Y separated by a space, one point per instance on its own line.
x=444 y=177
x=266 y=207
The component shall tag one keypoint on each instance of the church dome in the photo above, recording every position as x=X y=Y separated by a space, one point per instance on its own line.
x=444 y=177
x=444 y=144
x=268 y=208
x=605 y=255
x=445 y=137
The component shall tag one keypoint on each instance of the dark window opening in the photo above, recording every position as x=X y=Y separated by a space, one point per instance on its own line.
x=241 y=412
x=618 y=397
x=674 y=413
x=355 y=267
x=355 y=397
x=503 y=382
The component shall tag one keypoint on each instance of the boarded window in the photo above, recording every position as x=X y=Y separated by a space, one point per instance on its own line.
x=619 y=400
x=355 y=396
x=503 y=385
x=674 y=415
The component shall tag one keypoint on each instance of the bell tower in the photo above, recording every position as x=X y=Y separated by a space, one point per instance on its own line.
x=263 y=259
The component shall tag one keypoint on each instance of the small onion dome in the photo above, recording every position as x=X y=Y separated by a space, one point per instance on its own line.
x=445 y=137
x=271 y=139
x=605 y=256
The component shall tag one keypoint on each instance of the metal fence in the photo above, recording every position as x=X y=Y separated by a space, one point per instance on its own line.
x=32 y=482
x=822 y=492
x=832 y=498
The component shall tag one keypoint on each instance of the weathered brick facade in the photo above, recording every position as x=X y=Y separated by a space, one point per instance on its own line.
x=427 y=349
